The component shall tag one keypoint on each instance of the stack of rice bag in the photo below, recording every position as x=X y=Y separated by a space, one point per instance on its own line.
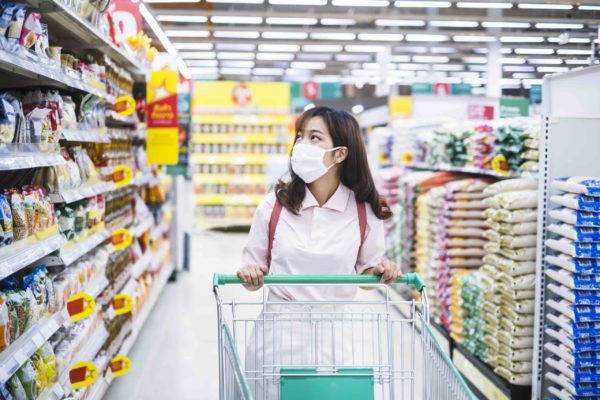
x=573 y=305
x=530 y=154
x=389 y=187
x=472 y=296
x=509 y=276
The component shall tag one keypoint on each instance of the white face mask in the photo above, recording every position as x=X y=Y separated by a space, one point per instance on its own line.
x=307 y=161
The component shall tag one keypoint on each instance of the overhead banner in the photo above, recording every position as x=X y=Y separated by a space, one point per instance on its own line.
x=511 y=107
x=163 y=131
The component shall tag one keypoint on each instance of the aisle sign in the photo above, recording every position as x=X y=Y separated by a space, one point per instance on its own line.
x=441 y=89
x=461 y=89
x=511 y=107
x=163 y=132
x=310 y=90
x=535 y=94
x=480 y=112
x=422 y=88
x=400 y=106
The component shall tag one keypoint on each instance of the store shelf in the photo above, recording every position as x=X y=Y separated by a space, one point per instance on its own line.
x=139 y=229
x=23 y=160
x=25 y=252
x=115 y=120
x=159 y=256
x=228 y=199
x=71 y=252
x=143 y=179
x=241 y=119
x=226 y=159
x=69 y=196
x=471 y=170
x=142 y=264
x=238 y=138
x=85 y=135
x=230 y=179
x=40 y=74
x=159 y=231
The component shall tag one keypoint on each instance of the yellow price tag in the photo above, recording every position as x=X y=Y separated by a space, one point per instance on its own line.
x=121 y=239
x=83 y=374
x=406 y=158
x=122 y=176
x=120 y=365
x=122 y=304
x=499 y=164
x=125 y=106
x=80 y=306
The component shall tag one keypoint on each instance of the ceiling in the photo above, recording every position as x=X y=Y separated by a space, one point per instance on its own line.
x=378 y=41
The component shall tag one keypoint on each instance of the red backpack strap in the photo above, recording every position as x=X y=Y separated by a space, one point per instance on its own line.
x=362 y=220
x=272 y=227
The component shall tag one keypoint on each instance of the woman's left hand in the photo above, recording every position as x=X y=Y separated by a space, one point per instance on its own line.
x=389 y=272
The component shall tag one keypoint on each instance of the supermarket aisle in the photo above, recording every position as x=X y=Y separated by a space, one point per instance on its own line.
x=175 y=356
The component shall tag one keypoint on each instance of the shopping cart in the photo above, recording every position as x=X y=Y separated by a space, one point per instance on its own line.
x=372 y=348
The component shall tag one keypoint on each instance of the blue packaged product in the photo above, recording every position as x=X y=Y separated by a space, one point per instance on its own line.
x=576 y=330
x=575 y=312
x=576 y=218
x=576 y=233
x=581 y=360
x=577 y=297
x=577 y=202
x=575 y=249
x=583 y=374
x=586 y=266
x=578 y=184
x=574 y=281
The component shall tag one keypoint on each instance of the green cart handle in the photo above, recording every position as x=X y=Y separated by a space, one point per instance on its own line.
x=412 y=279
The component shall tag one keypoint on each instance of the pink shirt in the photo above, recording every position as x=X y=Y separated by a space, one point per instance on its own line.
x=320 y=240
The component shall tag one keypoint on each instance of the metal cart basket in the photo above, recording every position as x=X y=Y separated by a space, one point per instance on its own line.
x=372 y=348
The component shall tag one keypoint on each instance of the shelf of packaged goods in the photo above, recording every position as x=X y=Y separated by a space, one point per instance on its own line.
x=472 y=170
x=138 y=229
x=230 y=179
x=142 y=264
x=228 y=199
x=123 y=223
x=22 y=253
x=241 y=119
x=143 y=179
x=85 y=135
x=238 y=138
x=160 y=230
x=115 y=120
x=159 y=256
x=13 y=161
x=88 y=190
x=226 y=159
x=41 y=74
x=205 y=223
x=74 y=250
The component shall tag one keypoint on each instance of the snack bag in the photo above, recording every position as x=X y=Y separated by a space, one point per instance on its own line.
x=27 y=375
x=32 y=30
x=15 y=28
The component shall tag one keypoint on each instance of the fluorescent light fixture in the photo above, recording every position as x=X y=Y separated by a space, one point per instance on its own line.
x=412 y=49
x=523 y=75
x=338 y=21
x=474 y=60
x=158 y=31
x=450 y=67
x=534 y=51
x=360 y=3
x=545 y=61
x=474 y=38
x=571 y=40
x=475 y=81
x=202 y=63
x=499 y=24
x=478 y=68
x=326 y=78
x=376 y=66
x=548 y=25
x=299 y=2
x=297 y=72
x=291 y=21
x=484 y=50
x=237 y=64
x=386 y=37
x=313 y=57
x=465 y=74
x=454 y=24
x=204 y=71
x=414 y=67
x=518 y=68
x=268 y=71
x=235 y=47
x=574 y=52
x=193 y=46
x=589 y=8
x=236 y=55
x=419 y=37
x=235 y=71
x=399 y=22
x=236 y=34
x=358 y=48
x=541 y=6
x=188 y=33
x=275 y=56
x=553 y=69
x=577 y=62
x=508 y=81
x=326 y=48
x=236 y=1
x=225 y=19
x=333 y=36
x=357 y=109
x=443 y=50
x=522 y=39
x=285 y=35
x=198 y=55
x=422 y=4
x=362 y=72
x=308 y=65
x=278 y=47
x=353 y=57
x=513 y=60
x=431 y=59
x=182 y=18
x=479 y=4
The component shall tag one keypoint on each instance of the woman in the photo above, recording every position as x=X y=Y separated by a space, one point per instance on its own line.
x=327 y=220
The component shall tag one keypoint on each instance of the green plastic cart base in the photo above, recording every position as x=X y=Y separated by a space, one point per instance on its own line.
x=308 y=383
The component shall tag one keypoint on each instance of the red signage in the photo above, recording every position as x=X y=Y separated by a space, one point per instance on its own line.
x=310 y=90
x=162 y=96
x=241 y=95
x=441 y=89
x=480 y=112
x=126 y=15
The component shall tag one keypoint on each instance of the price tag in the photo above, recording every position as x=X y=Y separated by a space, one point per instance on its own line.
x=499 y=164
x=80 y=306
x=20 y=357
x=406 y=158
x=122 y=304
x=83 y=374
x=125 y=105
x=119 y=366
x=122 y=176
x=121 y=239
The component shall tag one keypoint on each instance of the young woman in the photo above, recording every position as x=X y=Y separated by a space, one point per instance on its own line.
x=330 y=222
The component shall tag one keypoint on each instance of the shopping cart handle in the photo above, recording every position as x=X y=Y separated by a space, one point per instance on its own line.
x=412 y=279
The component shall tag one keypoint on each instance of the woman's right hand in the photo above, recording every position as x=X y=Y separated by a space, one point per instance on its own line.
x=253 y=276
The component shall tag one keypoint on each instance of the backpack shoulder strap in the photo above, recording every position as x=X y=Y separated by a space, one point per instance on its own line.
x=362 y=220
x=272 y=227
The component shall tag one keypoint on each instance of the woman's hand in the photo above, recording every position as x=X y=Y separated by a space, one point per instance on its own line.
x=388 y=270
x=253 y=276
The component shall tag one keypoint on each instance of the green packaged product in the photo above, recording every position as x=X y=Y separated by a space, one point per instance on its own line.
x=27 y=377
x=16 y=388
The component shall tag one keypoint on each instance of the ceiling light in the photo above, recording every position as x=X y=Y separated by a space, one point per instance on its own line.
x=453 y=67
x=386 y=37
x=484 y=50
x=399 y=22
x=577 y=62
x=188 y=33
x=299 y=2
x=412 y=49
x=512 y=60
x=529 y=82
x=479 y=68
x=275 y=56
x=193 y=46
x=475 y=81
x=534 y=51
x=423 y=4
x=333 y=36
x=431 y=59
x=553 y=69
x=268 y=71
x=474 y=38
x=297 y=72
x=291 y=21
x=362 y=72
x=518 y=68
x=237 y=64
x=443 y=50
x=224 y=19
x=454 y=24
x=360 y=3
x=523 y=75
x=400 y=59
x=417 y=37
x=236 y=1
x=207 y=55
x=308 y=65
x=474 y=60
x=313 y=57
x=539 y=6
x=337 y=21
x=413 y=67
x=377 y=66
x=235 y=71
x=285 y=35
x=326 y=78
x=327 y=48
x=590 y=8
x=204 y=71
x=158 y=31
x=235 y=55
x=478 y=4
x=548 y=25
x=466 y=74
x=182 y=18
x=278 y=47
x=353 y=57
x=522 y=39
x=202 y=63
x=547 y=61
x=357 y=48
x=523 y=25
x=505 y=82
x=235 y=47
x=573 y=52
x=571 y=40
x=236 y=34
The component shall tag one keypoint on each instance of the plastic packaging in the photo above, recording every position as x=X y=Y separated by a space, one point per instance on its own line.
x=510 y=185
x=589 y=186
x=575 y=249
x=577 y=202
x=586 y=266
x=513 y=200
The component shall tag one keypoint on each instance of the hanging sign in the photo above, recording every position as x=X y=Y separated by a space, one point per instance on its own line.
x=310 y=90
x=119 y=366
x=441 y=89
x=480 y=112
x=162 y=144
x=511 y=107
x=80 y=306
x=83 y=374
x=500 y=165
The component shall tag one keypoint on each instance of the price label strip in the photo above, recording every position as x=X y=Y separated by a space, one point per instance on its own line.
x=80 y=306
x=120 y=365
x=83 y=374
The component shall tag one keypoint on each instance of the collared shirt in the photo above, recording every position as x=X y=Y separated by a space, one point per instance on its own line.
x=319 y=240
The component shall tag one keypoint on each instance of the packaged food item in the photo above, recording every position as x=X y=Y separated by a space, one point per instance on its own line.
x=515 y=242
x=513 y=200
x=16 y=388
x=31 y=31
x=41 y=379
x=575 y=249
x=510 y=185
x=522 y=254
x=6 y=222
x=4 y=325
x=6 y=14
x=576 y=218
x=27 y=377
x=577 y=202
x=16 y=26
x=588 y=186
x=575 y=265
x=514 y=216
x=513 y=378
x=521 y=228
x=8 y=120
x=578 y=234
x=47 y=355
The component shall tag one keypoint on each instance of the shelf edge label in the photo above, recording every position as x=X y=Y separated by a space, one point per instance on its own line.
x=122 y=304
x=121 y=239
x=120 y=365
x=80 y=306
x=122 y=175
x=83 y=374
